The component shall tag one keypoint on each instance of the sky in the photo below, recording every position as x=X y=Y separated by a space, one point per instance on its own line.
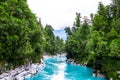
x=61 y=34
x=61 y=13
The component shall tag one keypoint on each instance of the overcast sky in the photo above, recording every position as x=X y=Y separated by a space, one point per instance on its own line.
x=61 y=13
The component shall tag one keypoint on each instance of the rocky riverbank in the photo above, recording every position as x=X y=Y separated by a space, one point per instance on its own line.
x=95 y=74
x=22 y=72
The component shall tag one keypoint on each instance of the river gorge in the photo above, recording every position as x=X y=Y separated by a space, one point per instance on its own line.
x=56 y=68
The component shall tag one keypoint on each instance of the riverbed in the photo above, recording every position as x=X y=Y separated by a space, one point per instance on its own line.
x=56 y=68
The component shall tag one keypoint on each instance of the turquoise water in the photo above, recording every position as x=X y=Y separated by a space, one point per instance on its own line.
x=57 y=69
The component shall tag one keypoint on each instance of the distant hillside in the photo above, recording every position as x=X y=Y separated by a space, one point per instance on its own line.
x=60 y=33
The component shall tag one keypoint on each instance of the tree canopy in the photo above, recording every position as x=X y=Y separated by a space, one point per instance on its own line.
x=22 y=37
x=96 y=42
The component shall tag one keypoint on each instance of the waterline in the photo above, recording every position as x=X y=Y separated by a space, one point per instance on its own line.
x=58 y=69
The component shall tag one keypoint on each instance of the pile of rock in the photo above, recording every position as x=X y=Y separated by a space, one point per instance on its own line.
x=21 y=72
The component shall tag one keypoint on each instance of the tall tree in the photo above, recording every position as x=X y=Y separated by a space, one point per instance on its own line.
x=21 y=37
x=77 y=20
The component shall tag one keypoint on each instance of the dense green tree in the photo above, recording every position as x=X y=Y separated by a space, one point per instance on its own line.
x=116 y=25
x=76 y=42
x=115 y=48
x=21 y=36
x=68 y=30
x=59 y=45
x=115 y=9
x=77 y=20
x=54 y=44
x=97 y=44
x=50 y=38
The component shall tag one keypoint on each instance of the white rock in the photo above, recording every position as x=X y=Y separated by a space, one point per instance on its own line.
x=33 y=72
x=111 y=78
x=20 y=73
x=13 y=72
x=94 y=74
x=19 y=77
x=118 y=72
x=28 y=75
x=1 y=76
x=2 y=79
x=118 y=76
x=9 y=78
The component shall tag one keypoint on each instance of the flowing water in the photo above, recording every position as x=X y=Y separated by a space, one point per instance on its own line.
x=56 y=68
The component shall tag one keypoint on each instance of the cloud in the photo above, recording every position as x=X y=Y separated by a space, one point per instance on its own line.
x=61 y=13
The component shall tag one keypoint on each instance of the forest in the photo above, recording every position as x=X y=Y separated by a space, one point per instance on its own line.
x=23 y=38
x=94 y=41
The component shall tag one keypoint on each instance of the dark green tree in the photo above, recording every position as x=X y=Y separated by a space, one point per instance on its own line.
x=21 y=35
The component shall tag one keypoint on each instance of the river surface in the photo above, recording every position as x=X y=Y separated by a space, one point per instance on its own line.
x=56 y=68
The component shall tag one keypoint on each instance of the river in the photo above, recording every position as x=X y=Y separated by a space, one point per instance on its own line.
x=56 y=68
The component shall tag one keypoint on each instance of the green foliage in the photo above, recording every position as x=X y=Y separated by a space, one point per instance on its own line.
x=99 y=22
x=115 y=9
x=68 y=30
x=21 y=36
x=115 y=48
x=116 y=25
x=23 y=39
x=77 y=21
x=98 y=45
x=76 y=42
x=112 y=34
x=59 y=45
x=50 y=37
x=54 y=44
